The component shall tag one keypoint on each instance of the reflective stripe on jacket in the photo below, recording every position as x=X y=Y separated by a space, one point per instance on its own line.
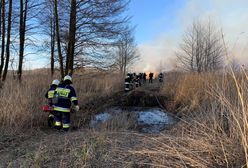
x=50 y=95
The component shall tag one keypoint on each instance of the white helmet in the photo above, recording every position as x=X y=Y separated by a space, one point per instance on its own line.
x=55 y=82
x=68 y=77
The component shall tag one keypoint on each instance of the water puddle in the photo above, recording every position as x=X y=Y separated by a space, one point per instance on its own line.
x=147 y=120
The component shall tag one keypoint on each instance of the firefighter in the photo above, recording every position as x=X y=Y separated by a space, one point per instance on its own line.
x=127 y=82
x=144 y=77
x=140 y=78
x=51 y=101
x=66 y=95
x=132 y=77
x=150 y=77
x=136 y=80
x=50 y=93
x=160 y=77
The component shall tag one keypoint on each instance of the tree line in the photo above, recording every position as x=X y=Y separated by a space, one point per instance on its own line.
x=74 y=34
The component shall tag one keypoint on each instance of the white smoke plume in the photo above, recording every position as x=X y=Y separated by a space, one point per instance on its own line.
x=230 y=15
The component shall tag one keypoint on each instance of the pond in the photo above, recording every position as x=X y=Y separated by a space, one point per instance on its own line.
x=144 y=119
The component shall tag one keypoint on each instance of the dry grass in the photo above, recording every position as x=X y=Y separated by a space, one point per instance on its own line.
x=75 y=149
x=213 y=131
x=20 y=104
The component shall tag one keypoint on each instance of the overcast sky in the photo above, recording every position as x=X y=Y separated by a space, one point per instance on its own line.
x=161 y=24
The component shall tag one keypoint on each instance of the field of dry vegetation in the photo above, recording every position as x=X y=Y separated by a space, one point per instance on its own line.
x=212 y=131
x=213 y=109
x=21 y=104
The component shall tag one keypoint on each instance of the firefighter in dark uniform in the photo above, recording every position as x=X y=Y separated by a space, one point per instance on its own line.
x=136 y=80
x=150 y=77
x=160 y=77
x=144 y=77
x=65 y=95
x=127 y=82
x=50 y=93
x=140 y=78
x=50 y=96
x=132 y=75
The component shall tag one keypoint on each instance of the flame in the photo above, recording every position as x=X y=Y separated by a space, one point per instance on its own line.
x=155 y=74
x=148 y=69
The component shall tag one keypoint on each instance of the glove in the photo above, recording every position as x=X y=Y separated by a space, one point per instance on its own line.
x=76 y=108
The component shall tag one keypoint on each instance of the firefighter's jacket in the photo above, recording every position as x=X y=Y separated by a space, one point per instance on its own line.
x=160 y=76
x=127 y=79
x=50 y=94
x=66 y=95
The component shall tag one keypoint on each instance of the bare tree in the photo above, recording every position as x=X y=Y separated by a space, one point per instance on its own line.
x=201 y=49
x=80 y=33
x=1 y=17
x=22 y=33
x=72 y=38
x=52 y=43
x=48 y=31
x=127 y=52
x=58 y=38
x=85 y=31
x=99 y=24
x=2 y=35
x=8 y=41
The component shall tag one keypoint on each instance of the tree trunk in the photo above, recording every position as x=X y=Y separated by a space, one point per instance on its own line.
x=22 y=32
x=122 y=61
x=125 y=56
x=72 y=36
x=8 y=42
x=1 y=17
x=3 y=36
x=58 y=39
x=52 y=24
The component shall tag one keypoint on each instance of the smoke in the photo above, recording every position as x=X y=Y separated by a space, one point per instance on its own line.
x=229 y=15
x=156 y=56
